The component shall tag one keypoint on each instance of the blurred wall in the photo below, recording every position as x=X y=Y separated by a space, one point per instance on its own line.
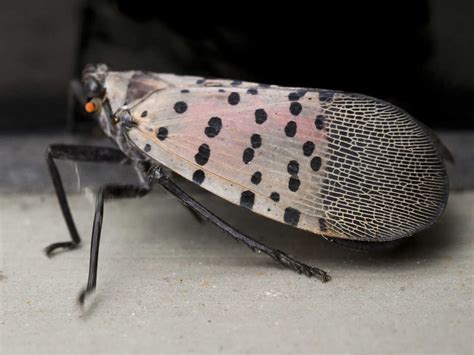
x=452 y=29
x=416 y=55
x=37 y=41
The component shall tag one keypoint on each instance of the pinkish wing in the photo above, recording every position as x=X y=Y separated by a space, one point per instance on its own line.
x=331 y=163
x=251 y=146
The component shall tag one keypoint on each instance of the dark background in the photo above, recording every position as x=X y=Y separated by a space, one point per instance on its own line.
x=416 y=54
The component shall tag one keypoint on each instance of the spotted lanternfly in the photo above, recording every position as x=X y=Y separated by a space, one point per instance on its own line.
x=341 y=165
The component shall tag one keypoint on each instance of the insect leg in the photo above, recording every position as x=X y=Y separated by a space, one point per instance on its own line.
x=105 y=193
x=74 y=153
x=277 y=255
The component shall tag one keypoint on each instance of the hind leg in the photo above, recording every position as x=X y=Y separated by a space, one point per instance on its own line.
x=280 y=257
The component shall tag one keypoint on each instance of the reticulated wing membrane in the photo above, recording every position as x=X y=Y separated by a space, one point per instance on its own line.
x=332 y=163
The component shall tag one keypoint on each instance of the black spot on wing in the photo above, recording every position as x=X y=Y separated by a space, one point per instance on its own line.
x=316 y=163
x=256 y=178
x=252 y=91
x=295 y=108
x=199 y=176
x=319 y=122
x=147 y=148
x=275 y=196
x=215 y=126
x=293 y=167
x=247 y=199
x=234 y=98
x=180 y=107
x=290 y=129
x=294 y=183
x=308 y=148
x=256 y=141
x=203 y=154
x=291 y=216
x=260 y=116
x=144 y=113
x=162 y=133
x=248 y=155
x=295 y=96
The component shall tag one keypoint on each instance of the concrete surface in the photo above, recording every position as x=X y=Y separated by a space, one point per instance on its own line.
x=169 y=284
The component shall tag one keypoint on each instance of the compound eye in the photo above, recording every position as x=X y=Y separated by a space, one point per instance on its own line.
x=94 y=89
x=93 y=105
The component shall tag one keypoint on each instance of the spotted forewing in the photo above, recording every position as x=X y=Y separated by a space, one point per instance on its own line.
x=333 y=163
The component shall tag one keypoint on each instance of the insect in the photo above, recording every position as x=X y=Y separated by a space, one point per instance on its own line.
x=341 y=165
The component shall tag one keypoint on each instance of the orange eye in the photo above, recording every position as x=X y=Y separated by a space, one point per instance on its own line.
x=92 y=105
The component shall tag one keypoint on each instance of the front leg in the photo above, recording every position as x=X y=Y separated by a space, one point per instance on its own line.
x=105 y=193
x=74 y=153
